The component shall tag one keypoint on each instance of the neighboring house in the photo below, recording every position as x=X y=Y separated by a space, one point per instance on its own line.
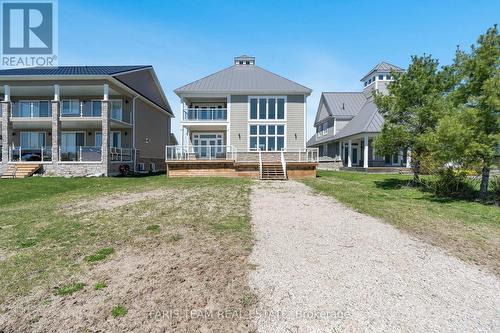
x=83 y=120
x=243 y=110
x=347 y=122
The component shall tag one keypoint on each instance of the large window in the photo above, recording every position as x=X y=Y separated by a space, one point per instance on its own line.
x=32 y=140
x=267 y=108
x=267 y=137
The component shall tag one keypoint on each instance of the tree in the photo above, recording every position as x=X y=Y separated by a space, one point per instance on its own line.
x=471 y=134
x=412 y=109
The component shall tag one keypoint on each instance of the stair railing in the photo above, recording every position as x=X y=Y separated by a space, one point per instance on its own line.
x=283 y=162
x=260 y=162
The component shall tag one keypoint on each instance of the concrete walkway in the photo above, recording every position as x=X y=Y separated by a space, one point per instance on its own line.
x=322 y=267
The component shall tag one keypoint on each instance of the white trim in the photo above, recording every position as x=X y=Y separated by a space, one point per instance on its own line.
x=6 y=94
x=228 y=115
x=267 y=108
x=276 y=135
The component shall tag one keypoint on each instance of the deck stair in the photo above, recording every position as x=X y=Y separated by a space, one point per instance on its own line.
x=21 y=170
x=272 y=171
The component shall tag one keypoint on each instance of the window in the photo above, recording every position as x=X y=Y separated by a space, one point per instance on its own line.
x=366 y=83
x=116 y=109
x=267 y=137
x=388 y=77
x=34 y=109
x=373 y=79
x=267 y=108
x=98 y=139
x=369 y=81
x=32 y=140
x=380 y=77
x=96 y=108
x=115 y=139
x=70 y=108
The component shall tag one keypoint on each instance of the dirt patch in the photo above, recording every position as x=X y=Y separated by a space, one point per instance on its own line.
x=112 y=201
x=165 y=286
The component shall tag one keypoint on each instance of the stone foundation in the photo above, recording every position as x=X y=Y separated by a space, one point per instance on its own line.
x=72 y=169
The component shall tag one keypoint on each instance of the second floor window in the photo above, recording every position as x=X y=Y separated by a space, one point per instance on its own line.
x=70 y=107
x=116 y=109
x=267 y=108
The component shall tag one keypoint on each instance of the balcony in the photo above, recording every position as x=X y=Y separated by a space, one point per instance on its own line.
x=80 y=154
x=204 y=115
x=31 y=109
x=26 y=154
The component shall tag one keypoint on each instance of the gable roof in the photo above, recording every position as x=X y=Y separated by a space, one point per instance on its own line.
x=243 y=79
x=340 y=104
x=71 y=70
x=368 y=120
x=139 y=78
x=384 y=67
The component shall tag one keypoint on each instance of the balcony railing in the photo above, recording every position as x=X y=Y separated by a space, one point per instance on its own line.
x=197 y=114
x=80 y=154
x=121 y=154
x=35 y=109
x=308 y=155
x=24 y=154
x=217 y=152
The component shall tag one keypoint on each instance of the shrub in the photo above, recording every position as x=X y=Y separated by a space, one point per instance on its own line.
x=453 y=182
x=496 y=189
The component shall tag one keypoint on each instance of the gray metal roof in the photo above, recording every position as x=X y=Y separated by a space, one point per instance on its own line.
x=344 y=103
x=243 y=79
x=368 y=120
x=383 y=67
x=70 y=70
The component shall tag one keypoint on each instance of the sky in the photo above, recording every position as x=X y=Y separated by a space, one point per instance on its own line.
x=324 y=45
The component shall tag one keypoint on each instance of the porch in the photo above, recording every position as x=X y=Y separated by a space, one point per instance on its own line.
x=227 y=161
x=358 y=153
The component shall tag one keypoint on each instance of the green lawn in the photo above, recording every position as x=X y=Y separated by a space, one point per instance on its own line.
x=466 y=229
x=52 y=229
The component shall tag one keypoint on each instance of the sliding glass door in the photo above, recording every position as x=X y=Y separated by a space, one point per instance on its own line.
x=70 y=145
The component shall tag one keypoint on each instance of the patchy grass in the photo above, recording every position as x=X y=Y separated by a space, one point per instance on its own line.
x=49 y=224
x=69 y=289
x=100 y=254
x=100 y=285
x=119 y=311
x=466 y=229
x=153 y=227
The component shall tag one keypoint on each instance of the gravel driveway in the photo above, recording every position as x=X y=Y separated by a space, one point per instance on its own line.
x=322 y=267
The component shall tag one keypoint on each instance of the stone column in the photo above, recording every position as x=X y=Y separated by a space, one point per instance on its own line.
x=56 y=125
x=105 y=137
x=6 y=130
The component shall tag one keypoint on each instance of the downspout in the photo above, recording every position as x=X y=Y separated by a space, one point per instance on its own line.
x=133 y=133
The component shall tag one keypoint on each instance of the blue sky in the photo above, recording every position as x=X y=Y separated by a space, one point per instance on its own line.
x=325 y=45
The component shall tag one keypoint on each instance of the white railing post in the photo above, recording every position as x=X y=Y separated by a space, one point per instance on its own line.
x=41 y=153
x=20 y=154
x=80 y=153
x=81 y=109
